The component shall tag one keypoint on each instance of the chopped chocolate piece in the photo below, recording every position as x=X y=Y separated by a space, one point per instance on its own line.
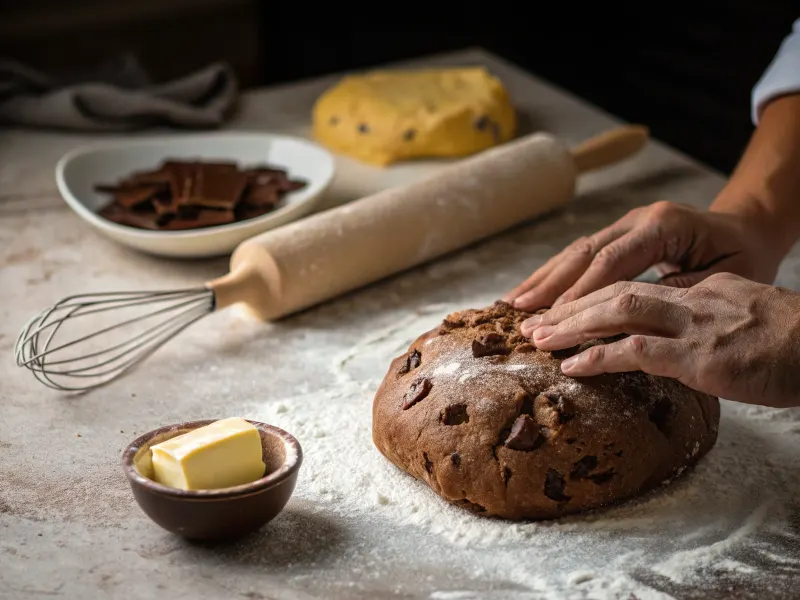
x=418 y=391
x=117 y=214
x=582 y=468
x=162 y=198
x=554 y=486
x=249 y=211
x=524 y=435
x=292 y=185
x=412 y=362
x=489 y=344
x=202 y=217
x=267 y=195
x=134 y=196
x=455 y=458
x=524 y=403
x=216 y=189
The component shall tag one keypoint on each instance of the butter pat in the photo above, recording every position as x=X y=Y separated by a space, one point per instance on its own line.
x=219 y=455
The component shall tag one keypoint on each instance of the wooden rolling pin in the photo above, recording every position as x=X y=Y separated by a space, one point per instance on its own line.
x=318 y=258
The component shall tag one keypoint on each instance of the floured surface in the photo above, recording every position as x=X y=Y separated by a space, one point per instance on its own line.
x=356 y=527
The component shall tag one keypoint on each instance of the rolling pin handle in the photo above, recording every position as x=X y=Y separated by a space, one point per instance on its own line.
x=609 y=147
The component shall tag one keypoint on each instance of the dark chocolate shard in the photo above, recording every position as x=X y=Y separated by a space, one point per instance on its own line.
x=489 y=344
x=583 y=468
x=413 y=360
x=554 y=485
x=417 y=392
x=524 y=435
x=212 y=188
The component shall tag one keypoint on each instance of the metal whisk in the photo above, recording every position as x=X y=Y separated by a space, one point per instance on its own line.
x=92 y=360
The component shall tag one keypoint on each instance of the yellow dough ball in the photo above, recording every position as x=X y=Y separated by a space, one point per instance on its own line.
x=383 y=117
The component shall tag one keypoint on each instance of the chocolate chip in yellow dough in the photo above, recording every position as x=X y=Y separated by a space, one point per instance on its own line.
x=492 y=425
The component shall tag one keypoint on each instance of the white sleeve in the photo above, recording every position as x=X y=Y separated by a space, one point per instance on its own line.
x=782 y=76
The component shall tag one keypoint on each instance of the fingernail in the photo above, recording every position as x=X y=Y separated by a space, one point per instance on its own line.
x=545 y=331
x=568 y=364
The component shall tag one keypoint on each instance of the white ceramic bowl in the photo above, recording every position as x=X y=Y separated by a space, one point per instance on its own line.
x=81 y=169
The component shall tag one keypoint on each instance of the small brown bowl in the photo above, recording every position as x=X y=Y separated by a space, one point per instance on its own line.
x=215 y=514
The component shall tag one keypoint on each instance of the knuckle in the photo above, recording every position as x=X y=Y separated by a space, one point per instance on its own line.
x=662 y=209
x=724 y=276
x=638 y=345
x=606 y=258
x=627 y=303
x=594 y=355
x=583 y=246
x=621 y=287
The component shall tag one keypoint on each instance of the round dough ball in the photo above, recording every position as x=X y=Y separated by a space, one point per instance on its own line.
x=490 y=423
x=386 y=116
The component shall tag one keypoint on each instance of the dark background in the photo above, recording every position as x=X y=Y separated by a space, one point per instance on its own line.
x=686 y=70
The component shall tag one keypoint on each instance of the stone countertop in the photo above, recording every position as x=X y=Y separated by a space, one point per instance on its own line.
x=69 y=526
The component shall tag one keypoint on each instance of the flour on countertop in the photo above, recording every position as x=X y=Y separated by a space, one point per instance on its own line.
x=729 y=514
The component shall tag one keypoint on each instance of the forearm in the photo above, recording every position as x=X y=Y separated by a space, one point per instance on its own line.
x=765 y=187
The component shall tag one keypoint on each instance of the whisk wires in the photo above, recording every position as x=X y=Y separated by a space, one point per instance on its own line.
x=92 y=359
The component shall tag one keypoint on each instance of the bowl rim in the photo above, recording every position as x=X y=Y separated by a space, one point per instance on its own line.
x=290 y=466
x=95 y=219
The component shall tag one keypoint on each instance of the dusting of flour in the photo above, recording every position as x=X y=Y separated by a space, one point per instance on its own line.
x=724 y=523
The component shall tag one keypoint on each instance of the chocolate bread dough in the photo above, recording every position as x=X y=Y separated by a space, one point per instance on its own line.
x=491 y=424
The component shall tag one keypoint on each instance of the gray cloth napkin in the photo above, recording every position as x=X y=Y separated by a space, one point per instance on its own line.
x=117 y=96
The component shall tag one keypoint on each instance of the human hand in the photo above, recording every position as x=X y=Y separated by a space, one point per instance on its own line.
x=686 y=244
x=726 y=336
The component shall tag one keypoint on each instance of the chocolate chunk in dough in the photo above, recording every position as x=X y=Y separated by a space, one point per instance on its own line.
x=489 y=344
x=416 y=392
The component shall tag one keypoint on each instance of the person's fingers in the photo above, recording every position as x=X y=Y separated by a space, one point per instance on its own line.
x=557 y=314
x=654 y=355
x=627 y=313
x=531 y=282
x=624 y=259
x=562 y=271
